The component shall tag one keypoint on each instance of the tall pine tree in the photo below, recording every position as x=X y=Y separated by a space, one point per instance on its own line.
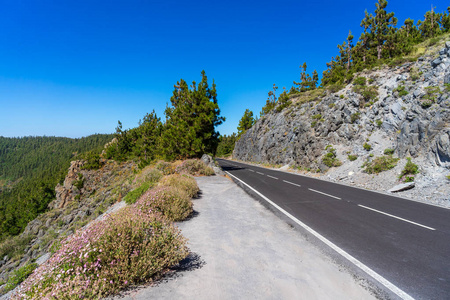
x=191 y=119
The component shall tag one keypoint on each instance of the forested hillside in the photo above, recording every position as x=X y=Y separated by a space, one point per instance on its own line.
x=30 y=168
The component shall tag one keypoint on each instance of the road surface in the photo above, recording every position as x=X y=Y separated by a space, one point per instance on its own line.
x=402 y=244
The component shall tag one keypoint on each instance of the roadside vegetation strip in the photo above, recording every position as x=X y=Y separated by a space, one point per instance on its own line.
x=135 y=244
x=393 y=216
x=126 y=248
x=400 y=293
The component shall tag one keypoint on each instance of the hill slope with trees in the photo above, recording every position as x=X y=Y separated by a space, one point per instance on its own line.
x=30 y=168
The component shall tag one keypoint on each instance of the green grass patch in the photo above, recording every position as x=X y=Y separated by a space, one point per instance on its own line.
x=18 y=276
x=134 y=195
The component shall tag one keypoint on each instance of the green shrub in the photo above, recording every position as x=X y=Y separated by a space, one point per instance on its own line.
x=127 y=248
x=414 y=74
x=330 y=159
x=18 y=276
x=370 y=93
x=194 y=167
x=408 y=172
x=352 y=157
x=447 y=87
x=93 y=161
x=173 y=202
x=401 y=91
x=359 y=81
x=380 y=164
x=317 y=117
x=388 y=151
x=448 y=177
x=335 y=88
x=185 y=182
x=379 y=123
x=430 y=96
x=367 y=147
x=133 y=195
x=354 y=117
x=313 y=123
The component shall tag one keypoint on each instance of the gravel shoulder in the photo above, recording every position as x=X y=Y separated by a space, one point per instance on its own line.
x=241 y=250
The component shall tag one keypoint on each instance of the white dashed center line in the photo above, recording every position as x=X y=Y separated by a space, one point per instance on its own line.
x=272 y=177
x=292 y=183
x=260 y=173
x=380 y=212
x=325 y=194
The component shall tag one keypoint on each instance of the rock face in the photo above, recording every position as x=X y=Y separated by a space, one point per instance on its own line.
x=410 y=115
x=67 y=192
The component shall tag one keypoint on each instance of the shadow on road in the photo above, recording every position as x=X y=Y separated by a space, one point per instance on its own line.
x=231 y=168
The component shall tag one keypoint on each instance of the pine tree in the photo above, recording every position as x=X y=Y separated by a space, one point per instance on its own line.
x=246 y=122
x=270 y=102
x=382 y=25
x=430 y=26
x=191 y=119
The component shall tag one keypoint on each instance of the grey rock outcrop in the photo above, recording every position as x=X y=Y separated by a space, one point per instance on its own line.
x=415 y=122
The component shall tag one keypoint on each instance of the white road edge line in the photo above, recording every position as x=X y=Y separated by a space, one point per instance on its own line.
x=356 y=262
x=292 y=183
x=325 y=194
x=272 y=177
x=260 y=173
x=381 y=212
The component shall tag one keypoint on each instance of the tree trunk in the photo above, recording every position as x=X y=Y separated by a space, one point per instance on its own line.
x=379 y=51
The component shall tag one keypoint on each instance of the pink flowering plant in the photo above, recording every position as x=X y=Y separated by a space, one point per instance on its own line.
x=126 y=248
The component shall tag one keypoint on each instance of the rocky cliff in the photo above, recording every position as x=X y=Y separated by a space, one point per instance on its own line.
x=405 y=108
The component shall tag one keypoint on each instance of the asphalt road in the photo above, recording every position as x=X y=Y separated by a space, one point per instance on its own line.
x=407 y=243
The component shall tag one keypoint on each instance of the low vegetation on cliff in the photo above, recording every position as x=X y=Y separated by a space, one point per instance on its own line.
x=135 y=244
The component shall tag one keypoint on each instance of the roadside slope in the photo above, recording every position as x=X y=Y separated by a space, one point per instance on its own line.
x=242 y=250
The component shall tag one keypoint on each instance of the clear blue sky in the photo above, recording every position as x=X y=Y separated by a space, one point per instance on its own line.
x=74 y=68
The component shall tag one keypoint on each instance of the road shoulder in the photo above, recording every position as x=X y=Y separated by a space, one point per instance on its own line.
x=241 y=250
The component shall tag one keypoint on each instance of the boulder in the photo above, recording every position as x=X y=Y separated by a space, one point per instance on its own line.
x=402 y=187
